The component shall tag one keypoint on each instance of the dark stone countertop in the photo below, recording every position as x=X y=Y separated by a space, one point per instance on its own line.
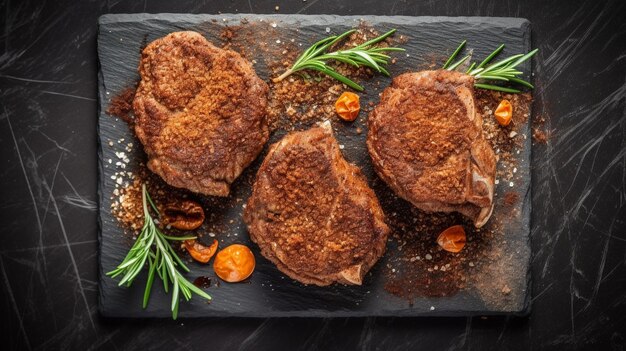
x=49 y=248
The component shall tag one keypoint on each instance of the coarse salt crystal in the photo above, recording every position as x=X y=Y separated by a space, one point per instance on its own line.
x=277 y=41
x=327 y=29
x=511 y=184
x=497 y=181
x=429 y=257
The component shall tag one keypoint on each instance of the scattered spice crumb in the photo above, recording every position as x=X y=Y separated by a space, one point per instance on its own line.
x=511 y=198
x=506 y=290
x=121 y=105
x=540 y=136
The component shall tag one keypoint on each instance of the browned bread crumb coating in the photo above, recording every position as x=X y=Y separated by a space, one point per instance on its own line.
x=313 y=214
x=200 y=112
x=426 y=142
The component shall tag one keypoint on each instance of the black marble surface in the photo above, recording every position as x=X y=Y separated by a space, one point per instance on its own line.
x=48 y=241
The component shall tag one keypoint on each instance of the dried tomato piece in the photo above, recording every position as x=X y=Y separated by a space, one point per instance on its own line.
x=504 y=113
x=452 y=239
x=348 y=106
x=184 y=215
x=200 y=252
x=234 y=263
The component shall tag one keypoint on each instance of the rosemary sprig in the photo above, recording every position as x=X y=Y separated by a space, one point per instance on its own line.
x=152 y=246
x=503 y=70
x=316 y=57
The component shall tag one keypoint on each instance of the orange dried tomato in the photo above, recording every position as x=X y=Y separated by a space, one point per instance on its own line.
x=200 y=252
x=348 y=106
x=504 y=112
x=452 y=239
x=234 y=263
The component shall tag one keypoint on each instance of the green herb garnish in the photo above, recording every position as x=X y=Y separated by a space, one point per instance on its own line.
x=152 y=246
x=503 y=70
x=316 y=56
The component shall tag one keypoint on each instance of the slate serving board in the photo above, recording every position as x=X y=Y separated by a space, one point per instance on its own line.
x=269 y=293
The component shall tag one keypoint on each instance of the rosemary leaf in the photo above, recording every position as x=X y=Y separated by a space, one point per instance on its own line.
x=151 y=271
x=471 y=67
x=454 y=66
x=495 y=87
x=522 y=82
x=503 y=70
x=316 y=56
x=453 y=56
x=376 y=40
x=344 y=80
x=152 y=246
x=491 y=56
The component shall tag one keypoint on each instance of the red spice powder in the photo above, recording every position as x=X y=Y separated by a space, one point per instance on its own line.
x=511 y=198
x=121 y=105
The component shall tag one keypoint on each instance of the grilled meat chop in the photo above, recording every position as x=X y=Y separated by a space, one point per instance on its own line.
x=425 y=140
x=200 y=112
x=313 y=214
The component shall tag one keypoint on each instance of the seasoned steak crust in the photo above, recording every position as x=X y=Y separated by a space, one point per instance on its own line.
x=313 y=214
x=200 y=112
x=426 y=142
